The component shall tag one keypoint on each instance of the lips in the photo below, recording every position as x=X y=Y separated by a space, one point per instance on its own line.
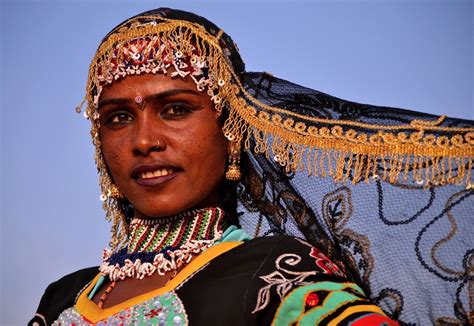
x=154 y=173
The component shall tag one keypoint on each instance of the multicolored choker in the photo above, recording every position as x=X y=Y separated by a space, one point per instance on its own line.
x=163 y=245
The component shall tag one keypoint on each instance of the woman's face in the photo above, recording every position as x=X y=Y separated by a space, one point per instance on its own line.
x=162 y=143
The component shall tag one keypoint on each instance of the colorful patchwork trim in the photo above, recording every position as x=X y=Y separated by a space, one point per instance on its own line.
x=329 y=303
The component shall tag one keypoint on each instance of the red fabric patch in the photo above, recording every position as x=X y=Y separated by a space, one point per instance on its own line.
x=374 y=320
x=323 y=262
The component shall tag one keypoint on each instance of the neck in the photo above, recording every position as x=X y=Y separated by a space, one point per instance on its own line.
x=175 y=231
x=164 y=245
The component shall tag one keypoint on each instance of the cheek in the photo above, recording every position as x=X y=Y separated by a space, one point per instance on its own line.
x=208 y=152
x=112 y=153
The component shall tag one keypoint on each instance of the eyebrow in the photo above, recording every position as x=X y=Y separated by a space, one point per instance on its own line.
x=152 y=97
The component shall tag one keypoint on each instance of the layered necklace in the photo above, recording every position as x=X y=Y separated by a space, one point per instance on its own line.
x=164 y=245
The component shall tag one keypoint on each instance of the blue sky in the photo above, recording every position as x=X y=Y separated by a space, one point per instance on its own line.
x=411 y=54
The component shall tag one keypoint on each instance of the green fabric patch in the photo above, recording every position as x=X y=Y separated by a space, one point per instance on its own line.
x=293 y=305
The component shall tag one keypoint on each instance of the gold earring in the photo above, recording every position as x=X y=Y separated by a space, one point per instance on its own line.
x=114 y=192
x=233 y=170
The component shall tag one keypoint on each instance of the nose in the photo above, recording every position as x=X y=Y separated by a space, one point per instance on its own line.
x=146 y=136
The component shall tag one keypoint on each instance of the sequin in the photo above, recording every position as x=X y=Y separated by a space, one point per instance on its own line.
x=155 y=311
x=138 y=99
x=312 y=299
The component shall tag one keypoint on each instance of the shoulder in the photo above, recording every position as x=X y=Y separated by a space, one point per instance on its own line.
x=282 y=247
x=61 y=294
x=278 y=241
x=77 y=276
x=283 y=240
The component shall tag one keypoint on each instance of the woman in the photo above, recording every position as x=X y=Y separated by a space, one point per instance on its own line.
x=170 y=102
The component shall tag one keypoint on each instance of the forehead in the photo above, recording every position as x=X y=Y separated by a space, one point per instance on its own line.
x=147 y=84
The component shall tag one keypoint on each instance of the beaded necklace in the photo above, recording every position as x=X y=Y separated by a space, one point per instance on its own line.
x=163 y=245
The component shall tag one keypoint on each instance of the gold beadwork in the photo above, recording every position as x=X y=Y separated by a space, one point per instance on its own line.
x=114 y=192
x=219 y=34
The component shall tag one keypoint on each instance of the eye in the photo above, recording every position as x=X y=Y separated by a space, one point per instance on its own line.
x=118 y=118
x=175 y=110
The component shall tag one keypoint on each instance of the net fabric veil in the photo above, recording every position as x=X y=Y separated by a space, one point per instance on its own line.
x=409 y=244
x=387 y=191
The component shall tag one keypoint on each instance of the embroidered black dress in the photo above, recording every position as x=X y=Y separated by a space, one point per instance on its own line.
x=277 y=280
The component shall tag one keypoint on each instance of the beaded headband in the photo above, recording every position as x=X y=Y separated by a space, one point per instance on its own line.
x=418 y=151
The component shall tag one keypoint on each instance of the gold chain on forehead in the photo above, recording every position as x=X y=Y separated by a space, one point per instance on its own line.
x=322 y=147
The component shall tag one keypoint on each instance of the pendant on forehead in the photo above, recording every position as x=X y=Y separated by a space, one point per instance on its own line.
x=140 y=102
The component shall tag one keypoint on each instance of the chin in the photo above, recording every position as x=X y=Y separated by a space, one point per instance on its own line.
x=161 y=209
x=174 y=201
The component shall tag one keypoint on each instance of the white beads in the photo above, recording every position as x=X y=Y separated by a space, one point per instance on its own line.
x=216 y=99
x=160 y=265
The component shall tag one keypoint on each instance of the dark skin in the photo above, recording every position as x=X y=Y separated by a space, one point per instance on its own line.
x=165 y=151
